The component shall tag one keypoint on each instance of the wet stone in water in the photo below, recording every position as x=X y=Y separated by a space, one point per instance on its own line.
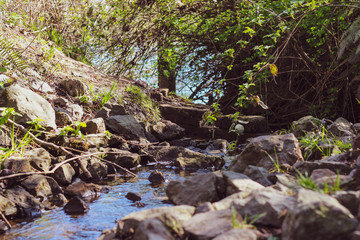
x=133 y=196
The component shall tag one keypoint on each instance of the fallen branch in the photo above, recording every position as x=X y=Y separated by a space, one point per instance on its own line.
x=50 y=145
x=5 y=220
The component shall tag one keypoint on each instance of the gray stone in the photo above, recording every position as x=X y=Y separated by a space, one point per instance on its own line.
x=39 y=159
x=29 y=104
x=123 y=158
x=263 y=151
x=341 y=127
x=318 y=216
x=27 y=205
x=309 y=167
x=76 y=206
x=127 y=126
x=195 y=190
x=258 y=174
x=73 y=87
x=204 y=226
x=110 y=110
x=108 y=234
x=7 y=207
x=237 y=182
x=156 y=177
x=152 y=229
x=272 y=203
x=167 y=130
x=171 y=217
x=237 y=234
x=97 y=169
x=62 y=117
x=133 y=196
x=93 y=126
x=76 y=112
x=17 y=165
x=64 y=174
x=349 y=199
x=83 y=190
x=5 y=139
x=305 y=124
x=41 y=186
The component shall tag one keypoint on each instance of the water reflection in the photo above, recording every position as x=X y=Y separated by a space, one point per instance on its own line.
x=103 y=213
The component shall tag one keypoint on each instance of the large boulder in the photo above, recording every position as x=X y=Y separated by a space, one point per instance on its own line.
x=27 y=205
x=123 y=158
x=237 y=182
x=197 y=189
x=318 y=216
x=267 y=152
x=171 y=217
x=208 y=225
x=272 y=203
x=127 y=126
x=29 y=104
x=152 y=229
x=167 y=130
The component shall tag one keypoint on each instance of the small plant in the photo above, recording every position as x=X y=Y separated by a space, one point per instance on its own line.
x=246 y=222
x=74 y=130
x=107 y=134
x=306 y=182
x=275 y=162
x=108 y=95
x=144 y=102
x=209 y=118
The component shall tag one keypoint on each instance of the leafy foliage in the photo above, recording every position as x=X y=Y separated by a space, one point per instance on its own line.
x=9 y=56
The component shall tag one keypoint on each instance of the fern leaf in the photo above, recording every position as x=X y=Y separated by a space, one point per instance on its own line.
x=10 y=56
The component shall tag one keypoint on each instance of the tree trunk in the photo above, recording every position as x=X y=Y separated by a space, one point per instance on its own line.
x=166 y=73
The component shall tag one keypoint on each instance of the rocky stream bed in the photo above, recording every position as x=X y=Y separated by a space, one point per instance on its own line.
x=122 y=169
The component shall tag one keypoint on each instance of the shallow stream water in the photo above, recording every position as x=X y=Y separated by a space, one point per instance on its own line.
x=103 y=213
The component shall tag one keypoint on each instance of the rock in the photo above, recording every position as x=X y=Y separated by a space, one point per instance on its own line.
x=93 y=126
x=41 y=86
x=123 y=158
x=220 y=145
x=254 y=123
x=27 y=205
x=127 y=126
x=29 y=104
x=266 y=201
x=62 y=117
x=263 y=151
x=197 y=189
x=237 y=234
x=17 y=165
x=3 y=226
x=305 y=124
x=309 y=167
x=83 y=190
x=110 y=110
x=204 y=207
x=227 y=202
x=327 y=177
x=39 y=159
x=95 y=140
x=76 y=206
x=187 y=159
x=41 y=186
x=156 y=177
x=203 y=226
x=349 y=199
x=108 y=234
x=152 y=229
x=5 y=139
x=171 y=217
x=7 y=207
x=76 y=112
x=341 y=127
x=167 y=130
x=258 y=174
x=97 y=169
x=133 y=196
x=64 y=174
x=317 y=216
x=237 y=182
x=73 y=87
